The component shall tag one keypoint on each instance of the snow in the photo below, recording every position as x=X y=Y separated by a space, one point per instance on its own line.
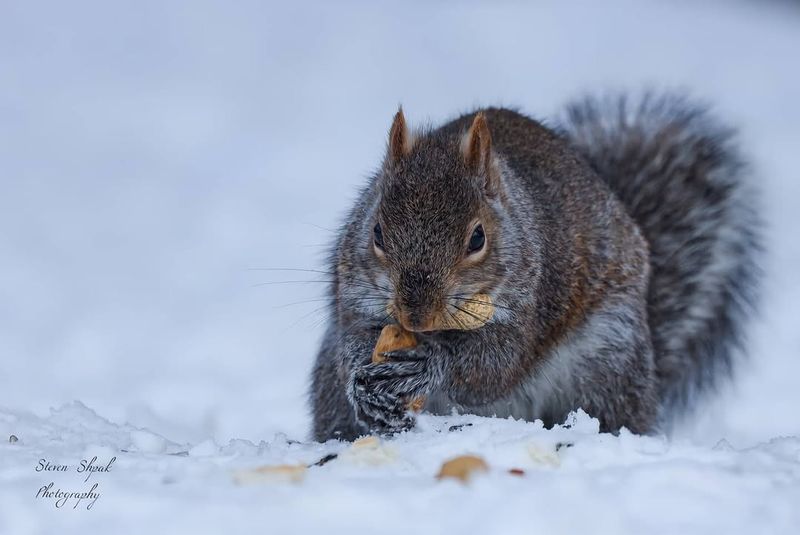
x=156 y=156
x=576 y=480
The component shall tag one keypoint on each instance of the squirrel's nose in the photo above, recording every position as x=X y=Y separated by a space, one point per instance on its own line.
x=415 y=301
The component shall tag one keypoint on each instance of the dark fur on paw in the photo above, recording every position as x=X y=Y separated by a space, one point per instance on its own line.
x=380 y=412
x=401 y=379
x=380 y=393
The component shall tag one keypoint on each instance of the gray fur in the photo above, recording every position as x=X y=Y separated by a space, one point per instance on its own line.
x=586 y=314
x=681 y=177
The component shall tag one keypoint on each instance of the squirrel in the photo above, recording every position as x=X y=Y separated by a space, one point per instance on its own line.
x=619 y=247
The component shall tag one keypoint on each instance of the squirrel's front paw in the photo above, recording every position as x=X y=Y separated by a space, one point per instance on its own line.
x=379 y=412
x=381 y=392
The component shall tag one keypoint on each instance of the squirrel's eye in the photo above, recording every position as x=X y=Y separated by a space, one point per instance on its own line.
x=476 y=241
x=377 y=236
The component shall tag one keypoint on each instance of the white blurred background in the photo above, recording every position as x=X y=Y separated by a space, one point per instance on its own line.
x=153 y=153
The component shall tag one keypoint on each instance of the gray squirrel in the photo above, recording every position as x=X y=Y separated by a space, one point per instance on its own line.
x=620 y=249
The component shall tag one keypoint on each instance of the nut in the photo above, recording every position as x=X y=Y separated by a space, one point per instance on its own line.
x=473 y=314
x=392 y=338
x=462 y=468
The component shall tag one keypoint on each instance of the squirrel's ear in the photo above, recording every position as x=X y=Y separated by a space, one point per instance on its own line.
x=400 y=141
x=476 y=146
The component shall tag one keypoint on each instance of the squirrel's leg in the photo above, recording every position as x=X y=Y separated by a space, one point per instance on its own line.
x=613 y=375
x=345 y=403
x=333 y=415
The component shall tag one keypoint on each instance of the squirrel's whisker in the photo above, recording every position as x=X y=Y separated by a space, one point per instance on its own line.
x=325 y=317
x=351 y=283
x=294 y=269
x=454 y=317
x=467 y=312
x=469 y=300
x=327 y=300
x=270 y=283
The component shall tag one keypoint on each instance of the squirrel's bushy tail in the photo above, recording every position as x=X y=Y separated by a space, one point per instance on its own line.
x=681 y=177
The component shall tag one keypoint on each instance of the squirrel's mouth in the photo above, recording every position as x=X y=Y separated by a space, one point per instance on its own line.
x=415 y=320
x=419 y=323
x=430 y=327
x=472 y=313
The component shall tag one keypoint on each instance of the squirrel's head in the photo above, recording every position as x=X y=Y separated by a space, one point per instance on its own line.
x=435 y=235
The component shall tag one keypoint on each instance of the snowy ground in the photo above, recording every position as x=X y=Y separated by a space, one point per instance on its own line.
x=153 y=154
x=575 y=480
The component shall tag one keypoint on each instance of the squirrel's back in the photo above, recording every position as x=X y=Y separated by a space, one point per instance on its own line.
x=680 y=176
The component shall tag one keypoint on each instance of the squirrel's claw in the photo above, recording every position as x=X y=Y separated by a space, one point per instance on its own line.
x=423 y=350
x=380 y=412
x=405 y=355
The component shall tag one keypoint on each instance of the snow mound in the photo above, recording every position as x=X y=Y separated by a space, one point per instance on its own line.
x=576 y=479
